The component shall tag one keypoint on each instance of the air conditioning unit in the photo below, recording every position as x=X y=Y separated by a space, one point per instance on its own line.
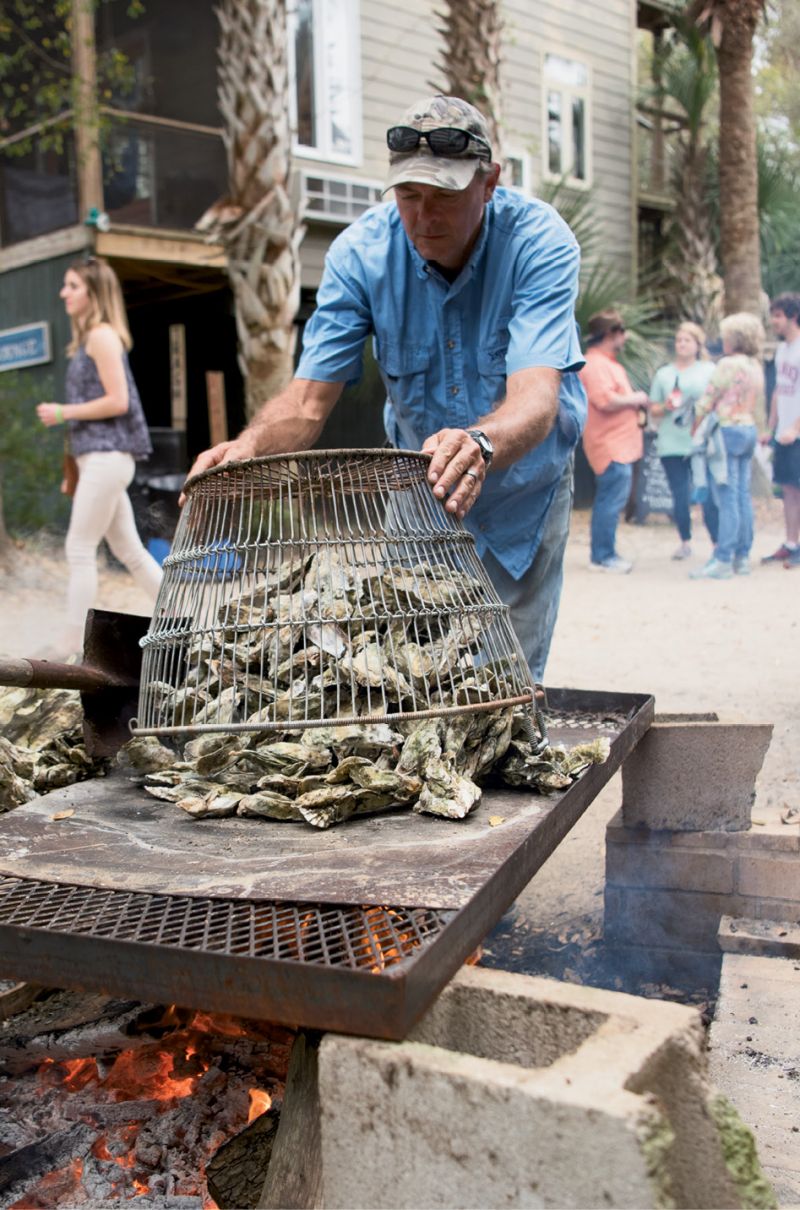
x=330 y=198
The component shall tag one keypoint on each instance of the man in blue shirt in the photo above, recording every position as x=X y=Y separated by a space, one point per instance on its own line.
x=468 y=291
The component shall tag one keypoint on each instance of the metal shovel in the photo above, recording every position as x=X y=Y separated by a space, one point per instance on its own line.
x=108 y=678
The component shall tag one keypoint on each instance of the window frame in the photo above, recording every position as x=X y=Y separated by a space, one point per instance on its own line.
x=325 y=153
x=569 y=93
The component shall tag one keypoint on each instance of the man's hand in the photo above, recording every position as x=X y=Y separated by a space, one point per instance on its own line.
x=291 y=421
x=456 y=470
x=227 y=451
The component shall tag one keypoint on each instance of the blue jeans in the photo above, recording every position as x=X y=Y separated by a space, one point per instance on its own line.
x=533 y=600
x=679 y=476
x=733 y=498
x=611 y=495
x=678 y=469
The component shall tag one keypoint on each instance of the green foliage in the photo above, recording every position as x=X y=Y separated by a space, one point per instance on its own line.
x=36 y=83
x=30 y=458
x=687 y=67
x=603 y=285
x=778 y=209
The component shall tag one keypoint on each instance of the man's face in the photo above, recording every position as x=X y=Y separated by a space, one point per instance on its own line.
x=443 y=224
x=780 y=324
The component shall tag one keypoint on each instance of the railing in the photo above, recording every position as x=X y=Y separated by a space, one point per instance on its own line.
x=158 y=173
x=657 y=147
x=38 y=192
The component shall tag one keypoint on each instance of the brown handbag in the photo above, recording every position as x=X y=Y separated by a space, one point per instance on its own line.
x=69 y=480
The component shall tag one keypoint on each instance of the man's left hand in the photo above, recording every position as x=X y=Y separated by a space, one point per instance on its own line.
x=456 y=470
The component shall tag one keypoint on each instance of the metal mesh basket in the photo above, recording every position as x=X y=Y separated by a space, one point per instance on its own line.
x=323 y=589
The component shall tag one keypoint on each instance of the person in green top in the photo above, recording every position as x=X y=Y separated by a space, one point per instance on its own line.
x=675 y=389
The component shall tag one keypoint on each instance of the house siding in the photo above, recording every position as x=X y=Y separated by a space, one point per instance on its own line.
x=400 y=45
x=30 y=295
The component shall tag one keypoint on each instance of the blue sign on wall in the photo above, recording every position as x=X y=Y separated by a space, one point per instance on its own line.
x=26 y=346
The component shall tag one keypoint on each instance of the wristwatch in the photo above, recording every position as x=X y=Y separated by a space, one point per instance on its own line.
x=487 y=449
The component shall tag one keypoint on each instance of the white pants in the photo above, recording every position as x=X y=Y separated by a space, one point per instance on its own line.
x=101 y=508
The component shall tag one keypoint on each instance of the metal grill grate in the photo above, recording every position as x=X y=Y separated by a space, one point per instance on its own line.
x=326 y=588
x=355 y=938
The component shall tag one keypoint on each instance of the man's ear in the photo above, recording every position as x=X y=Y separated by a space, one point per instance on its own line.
x=490 y=181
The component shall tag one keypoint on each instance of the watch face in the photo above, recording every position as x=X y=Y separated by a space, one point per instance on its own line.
x=487 y=449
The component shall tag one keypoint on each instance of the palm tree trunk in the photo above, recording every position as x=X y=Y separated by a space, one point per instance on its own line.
x=257 y=224
x=738 y=174
x=470 y=60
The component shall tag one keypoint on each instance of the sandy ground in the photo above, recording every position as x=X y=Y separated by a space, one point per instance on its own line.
x=728 y=646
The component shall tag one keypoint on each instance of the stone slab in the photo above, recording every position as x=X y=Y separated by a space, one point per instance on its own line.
x=760 y=938
x=754 y=1058
x=766 y=839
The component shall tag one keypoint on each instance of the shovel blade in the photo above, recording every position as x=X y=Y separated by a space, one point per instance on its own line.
x=111 y=644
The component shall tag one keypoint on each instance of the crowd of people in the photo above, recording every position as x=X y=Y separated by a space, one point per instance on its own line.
x=468 y=291
x=709 y=417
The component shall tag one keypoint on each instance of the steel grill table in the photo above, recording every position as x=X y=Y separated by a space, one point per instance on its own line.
x=326 y=590
x=356 y=929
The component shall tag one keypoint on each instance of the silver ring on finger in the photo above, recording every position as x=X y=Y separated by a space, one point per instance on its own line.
x=471 y=474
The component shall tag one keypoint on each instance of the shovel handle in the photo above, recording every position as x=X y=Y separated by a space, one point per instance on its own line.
x=47 y=674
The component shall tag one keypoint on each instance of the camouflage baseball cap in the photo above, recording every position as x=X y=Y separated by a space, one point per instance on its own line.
x=421 y=166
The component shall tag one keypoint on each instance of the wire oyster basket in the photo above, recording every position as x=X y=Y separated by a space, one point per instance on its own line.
x=323 y=589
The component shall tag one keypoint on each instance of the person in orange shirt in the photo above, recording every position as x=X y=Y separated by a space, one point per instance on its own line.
x=612 y=438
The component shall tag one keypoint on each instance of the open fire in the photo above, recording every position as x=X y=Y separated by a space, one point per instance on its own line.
x=138 y=1123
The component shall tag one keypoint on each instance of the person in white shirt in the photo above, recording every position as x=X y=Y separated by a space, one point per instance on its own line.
x=784 y=423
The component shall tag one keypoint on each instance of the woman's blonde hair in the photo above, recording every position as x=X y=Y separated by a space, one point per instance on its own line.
x=698 y=336
x=106 y=304
x=744 y=332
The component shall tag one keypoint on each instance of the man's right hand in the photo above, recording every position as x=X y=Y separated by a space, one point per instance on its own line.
x=227 y=451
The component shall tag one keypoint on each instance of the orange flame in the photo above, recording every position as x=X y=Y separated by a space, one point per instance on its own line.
x=260 y=1102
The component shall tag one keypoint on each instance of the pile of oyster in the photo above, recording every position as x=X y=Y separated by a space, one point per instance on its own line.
x=41 y=744
x=328 y=775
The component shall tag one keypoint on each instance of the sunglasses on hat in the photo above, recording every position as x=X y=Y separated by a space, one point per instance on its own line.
x=444 y=140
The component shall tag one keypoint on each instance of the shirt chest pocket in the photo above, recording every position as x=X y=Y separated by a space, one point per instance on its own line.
x=405 y=369
x=491 y=362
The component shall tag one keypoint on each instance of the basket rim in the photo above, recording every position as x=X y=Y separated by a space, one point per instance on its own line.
x=312 y=455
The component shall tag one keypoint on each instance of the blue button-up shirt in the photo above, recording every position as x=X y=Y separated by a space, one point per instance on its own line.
x=445 y=349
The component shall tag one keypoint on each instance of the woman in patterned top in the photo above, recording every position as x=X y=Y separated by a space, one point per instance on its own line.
x=107 y=435
x=734 y=398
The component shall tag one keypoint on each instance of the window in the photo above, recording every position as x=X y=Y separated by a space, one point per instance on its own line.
x=517 y=172
x=566 y=109
x=326 y=79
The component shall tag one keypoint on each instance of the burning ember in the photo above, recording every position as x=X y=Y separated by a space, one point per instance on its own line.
x=137 y=1123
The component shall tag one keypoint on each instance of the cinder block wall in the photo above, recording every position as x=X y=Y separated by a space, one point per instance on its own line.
x=682 y=852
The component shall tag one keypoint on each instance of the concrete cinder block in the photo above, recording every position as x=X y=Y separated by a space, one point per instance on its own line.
x=565 y=1097
x=772 y=876
x=666 y=919
x=694 y=776
x=669 y=868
